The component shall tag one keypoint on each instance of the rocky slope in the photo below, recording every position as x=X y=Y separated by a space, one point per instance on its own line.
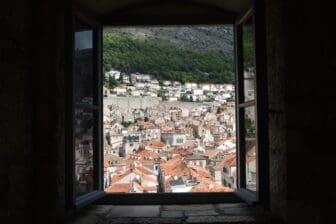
x=213 y=38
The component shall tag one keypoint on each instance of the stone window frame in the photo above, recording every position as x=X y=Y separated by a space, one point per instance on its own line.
x=262 y=196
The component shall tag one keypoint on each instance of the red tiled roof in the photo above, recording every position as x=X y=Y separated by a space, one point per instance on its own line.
x=175 y=167
x=106 y=165
x=145 y=170
x=146 y=154
x=230 y=150
x=147 y=162
x=119 y=169
x=144 y=176
x=210 y=153
x=214 y=189
x=229 y=160
x=117 y=177
x=173 y=162
x=179 y=151
x=137 y=171
x=209 y=182
x=146 y=124
x=155 y=144
x=144 y=188
x=222 y=141
x=250 y=159
x=118 y=188
x=200 y=170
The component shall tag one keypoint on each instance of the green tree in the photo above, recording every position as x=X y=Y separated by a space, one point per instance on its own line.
x=162 y=93
x=165 y=62
x=249 y=127
x=112 y=83
x=248 y=46
x=126 y=123
x=184 y=98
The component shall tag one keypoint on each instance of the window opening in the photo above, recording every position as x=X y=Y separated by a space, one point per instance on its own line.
x=169 y=109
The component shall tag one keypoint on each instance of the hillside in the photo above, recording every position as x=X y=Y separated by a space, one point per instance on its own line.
x=211 y=38
x=166 y=60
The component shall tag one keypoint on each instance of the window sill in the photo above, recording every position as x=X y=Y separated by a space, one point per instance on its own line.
x=189 y=213
x=168 y=198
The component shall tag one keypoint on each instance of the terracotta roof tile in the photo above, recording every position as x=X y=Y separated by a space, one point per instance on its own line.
x=210 y=153
x=229 y=160
x=175 y=167
x=146 y=154
x=145 y=170
x=144 y=188
x=118 y=188
x=118 y=177
x=144 y=176
x=200 y=170
x=250 y=159
x=155 y=144
x=208 y=182
x=214 y=189
x=106 y=165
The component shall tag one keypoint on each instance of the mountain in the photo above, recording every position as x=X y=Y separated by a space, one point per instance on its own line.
x=212 y=38
x=197 y=54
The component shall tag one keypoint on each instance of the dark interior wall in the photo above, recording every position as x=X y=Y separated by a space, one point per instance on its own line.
x=310 y=113
x=32 y=117
x=15 y=121
x=49 y=72
x=302 y=115
x=276 y=109
x=300 y=62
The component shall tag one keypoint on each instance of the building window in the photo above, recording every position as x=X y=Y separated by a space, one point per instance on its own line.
x=167 y=74
x=88 y=116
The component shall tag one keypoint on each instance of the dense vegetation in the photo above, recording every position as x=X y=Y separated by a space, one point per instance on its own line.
x=248 y=46
x=165 y=62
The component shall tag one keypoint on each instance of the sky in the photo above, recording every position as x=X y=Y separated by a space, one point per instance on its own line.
x=83 y=39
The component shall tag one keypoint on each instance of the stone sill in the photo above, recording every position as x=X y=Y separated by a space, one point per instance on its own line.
x=172 y=214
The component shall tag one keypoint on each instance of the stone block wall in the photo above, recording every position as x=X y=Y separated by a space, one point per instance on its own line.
x=16 y=153
x=49 y=72
x=32 y=94
x=302 y=118
x=276 y=108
